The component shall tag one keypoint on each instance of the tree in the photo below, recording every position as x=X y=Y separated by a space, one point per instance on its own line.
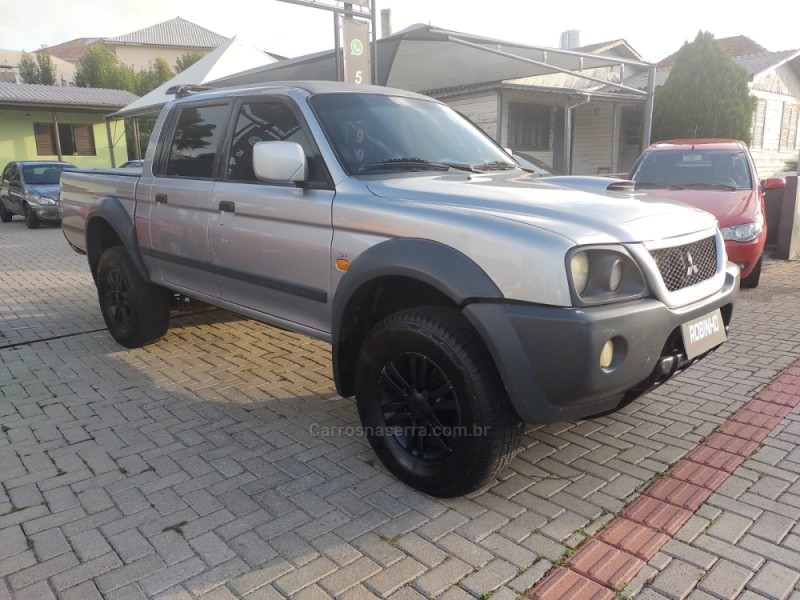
x=149 y=79
x=99 y=68
x=706 y=95
x=186 y=60
x=37 y=70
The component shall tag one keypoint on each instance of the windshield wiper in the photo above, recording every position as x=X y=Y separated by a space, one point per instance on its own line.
x=716 y=184
x=495 y=165
x=414 y=164
x=663 y=186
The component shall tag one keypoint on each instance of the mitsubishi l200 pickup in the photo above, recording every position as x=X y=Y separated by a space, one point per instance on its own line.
x=462 y=295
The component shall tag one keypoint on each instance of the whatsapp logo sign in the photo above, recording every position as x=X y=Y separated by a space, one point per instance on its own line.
x=356 y=48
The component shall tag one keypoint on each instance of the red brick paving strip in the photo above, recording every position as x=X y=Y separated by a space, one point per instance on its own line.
x=604 y=564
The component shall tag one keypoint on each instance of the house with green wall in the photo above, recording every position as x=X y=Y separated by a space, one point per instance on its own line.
x=48 y=122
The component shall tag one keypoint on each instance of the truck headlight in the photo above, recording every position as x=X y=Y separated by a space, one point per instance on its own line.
x=746 y=232
x=580 y=266
x=602 y=274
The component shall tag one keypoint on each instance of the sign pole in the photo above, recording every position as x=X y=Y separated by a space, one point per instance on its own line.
x=355 y=46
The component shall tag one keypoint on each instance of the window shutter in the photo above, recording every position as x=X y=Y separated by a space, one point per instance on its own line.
x=44 y=139
x=84 y=140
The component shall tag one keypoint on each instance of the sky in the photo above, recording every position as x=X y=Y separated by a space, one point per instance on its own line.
x=293 y=30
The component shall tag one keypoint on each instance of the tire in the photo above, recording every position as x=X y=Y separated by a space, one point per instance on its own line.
x=136 y=312
x=5 y=214
x=31 y=220
x=751 y=280
x=456 y=390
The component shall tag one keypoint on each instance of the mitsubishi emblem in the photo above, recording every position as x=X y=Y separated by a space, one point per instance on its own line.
x=691 y=268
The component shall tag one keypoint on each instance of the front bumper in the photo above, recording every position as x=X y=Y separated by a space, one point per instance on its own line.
x=746 y=254
x=548 y=357
x=47 y=213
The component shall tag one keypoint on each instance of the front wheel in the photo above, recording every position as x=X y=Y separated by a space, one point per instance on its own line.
x=136 y=312
x=432 y=403
x=31 y=220
x=5 y=214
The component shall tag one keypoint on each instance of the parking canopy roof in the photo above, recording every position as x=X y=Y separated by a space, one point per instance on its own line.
x=231 y=57
x=424 y=57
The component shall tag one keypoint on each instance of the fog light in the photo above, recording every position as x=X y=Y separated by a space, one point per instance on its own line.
x=607 y=355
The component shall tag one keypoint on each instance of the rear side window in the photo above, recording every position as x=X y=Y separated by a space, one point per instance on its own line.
x=196 y=142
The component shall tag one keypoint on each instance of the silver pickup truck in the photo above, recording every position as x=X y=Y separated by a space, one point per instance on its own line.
x=462 y=295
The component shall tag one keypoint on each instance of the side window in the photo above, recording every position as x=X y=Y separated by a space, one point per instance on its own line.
x=266 y=121
x=13 y=174
x=196 y=141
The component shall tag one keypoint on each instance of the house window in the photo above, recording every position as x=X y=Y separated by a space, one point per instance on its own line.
x=76 y=140
x=788 y=139
x=529 y=126
x=759 y=115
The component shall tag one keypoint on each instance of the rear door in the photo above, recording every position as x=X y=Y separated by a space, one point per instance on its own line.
x=176 y=199
x=271 y=241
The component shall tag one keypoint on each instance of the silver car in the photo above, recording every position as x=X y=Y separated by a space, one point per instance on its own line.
x=30 y=189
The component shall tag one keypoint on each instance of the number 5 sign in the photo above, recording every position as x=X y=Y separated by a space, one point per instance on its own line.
x=357 y=62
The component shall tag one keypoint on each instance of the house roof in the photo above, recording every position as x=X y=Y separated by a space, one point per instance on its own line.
x=175 y=32
x=739 y=45
x=72 y=50
x=49 y=96
x=621 y=47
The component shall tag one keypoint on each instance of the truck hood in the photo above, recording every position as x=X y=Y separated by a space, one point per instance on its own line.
x=49 y=190
x=581 y=216
x=731 y=207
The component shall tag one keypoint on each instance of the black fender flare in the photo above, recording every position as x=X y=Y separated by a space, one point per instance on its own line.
x=443 y=268
x=111 y=210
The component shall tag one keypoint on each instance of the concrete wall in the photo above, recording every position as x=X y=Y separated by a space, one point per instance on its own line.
x=17 y=141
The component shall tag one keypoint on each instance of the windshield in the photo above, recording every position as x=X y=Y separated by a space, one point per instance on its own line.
x=42 y=174
x=372 y=133
x=687 y=169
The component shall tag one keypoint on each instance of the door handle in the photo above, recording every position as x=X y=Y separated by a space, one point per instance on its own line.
x=161 y=198
x=227 y=206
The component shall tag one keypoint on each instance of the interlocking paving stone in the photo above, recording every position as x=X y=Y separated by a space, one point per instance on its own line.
x=605 y=564
x=564 y=583
x=220 y=411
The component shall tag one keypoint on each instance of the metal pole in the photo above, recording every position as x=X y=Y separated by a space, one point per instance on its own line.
x=57 y=137
x=137 y=152
x=110 y=142
x=567 y=139
x=648 y=107
x=374 y=44
x=337 y=47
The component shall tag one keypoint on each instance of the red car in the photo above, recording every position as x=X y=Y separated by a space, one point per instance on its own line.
x=717 y=176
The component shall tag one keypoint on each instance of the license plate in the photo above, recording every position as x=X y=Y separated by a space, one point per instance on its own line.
x=703 y=333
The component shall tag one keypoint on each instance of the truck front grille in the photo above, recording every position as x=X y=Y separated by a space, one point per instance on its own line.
x=682 y=266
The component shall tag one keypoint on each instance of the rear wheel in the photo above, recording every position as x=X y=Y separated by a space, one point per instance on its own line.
x=136 y=312
x=433 y=405
x=751 y=280
x=5 y=214
x=31 y=220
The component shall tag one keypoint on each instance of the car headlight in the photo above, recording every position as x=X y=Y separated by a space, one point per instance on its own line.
x=601 y=274
x=47 y=201
x=746 y=232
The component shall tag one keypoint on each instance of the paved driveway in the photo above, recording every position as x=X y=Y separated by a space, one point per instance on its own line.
x=191 y=468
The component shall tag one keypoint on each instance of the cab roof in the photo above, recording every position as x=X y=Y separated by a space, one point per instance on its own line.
x=705 y=143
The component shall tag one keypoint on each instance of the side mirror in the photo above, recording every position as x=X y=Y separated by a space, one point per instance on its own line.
x=280 y=161
x=773 y=183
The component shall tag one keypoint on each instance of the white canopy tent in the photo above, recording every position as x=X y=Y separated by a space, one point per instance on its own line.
x=232 y=57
